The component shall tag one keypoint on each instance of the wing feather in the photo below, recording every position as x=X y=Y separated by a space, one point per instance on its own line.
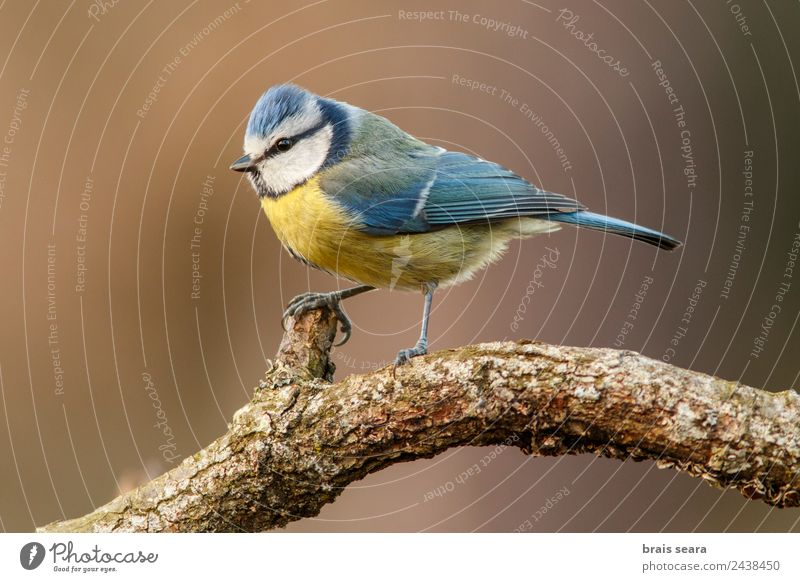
x=407 y=187
x=469 y=189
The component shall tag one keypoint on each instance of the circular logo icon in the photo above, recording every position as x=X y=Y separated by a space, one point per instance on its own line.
x=31 y=555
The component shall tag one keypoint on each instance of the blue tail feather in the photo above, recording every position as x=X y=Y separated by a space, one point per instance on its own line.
x=615 y=226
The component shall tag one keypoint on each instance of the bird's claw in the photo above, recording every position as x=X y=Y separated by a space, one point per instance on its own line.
x=404 y=356
x=306 y=302
x=345 y=326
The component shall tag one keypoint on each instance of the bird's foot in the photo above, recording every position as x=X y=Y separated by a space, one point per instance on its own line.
x=306 y=302
x=404 y=356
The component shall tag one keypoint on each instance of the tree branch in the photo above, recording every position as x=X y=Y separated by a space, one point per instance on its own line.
x=302 y=440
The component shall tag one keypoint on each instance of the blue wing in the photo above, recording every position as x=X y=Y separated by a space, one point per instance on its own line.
x=381 y=197
x=429 y=189
x=468 y=189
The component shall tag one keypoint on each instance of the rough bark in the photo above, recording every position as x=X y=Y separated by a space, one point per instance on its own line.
x=302 y=440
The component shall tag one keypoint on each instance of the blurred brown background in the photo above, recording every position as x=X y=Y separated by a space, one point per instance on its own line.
x=119 y=120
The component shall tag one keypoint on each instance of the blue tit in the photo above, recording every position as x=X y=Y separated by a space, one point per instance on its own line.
x=348 y=192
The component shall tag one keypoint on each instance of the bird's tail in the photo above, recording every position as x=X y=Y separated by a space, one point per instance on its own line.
x=616 y=226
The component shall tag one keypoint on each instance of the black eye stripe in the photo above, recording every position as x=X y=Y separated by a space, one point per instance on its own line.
x=273 y=150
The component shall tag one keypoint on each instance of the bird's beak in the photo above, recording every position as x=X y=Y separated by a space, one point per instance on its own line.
x=246 y=162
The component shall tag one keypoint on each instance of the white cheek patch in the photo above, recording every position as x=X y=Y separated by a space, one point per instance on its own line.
x=282 y=172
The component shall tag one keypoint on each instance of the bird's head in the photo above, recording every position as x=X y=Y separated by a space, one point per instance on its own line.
x=292 y=134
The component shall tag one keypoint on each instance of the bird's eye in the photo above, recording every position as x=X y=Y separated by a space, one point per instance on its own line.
x=284 y=144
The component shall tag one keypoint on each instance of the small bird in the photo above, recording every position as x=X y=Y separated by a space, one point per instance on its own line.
x=348 y=192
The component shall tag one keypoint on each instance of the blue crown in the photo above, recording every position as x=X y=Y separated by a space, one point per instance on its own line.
x=278 y=103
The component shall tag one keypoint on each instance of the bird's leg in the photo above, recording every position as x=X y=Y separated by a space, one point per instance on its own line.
x=421 y=348
x=309 y=301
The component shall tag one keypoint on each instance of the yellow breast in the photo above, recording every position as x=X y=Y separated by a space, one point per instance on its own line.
x=305 y=222
x=316 y=229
